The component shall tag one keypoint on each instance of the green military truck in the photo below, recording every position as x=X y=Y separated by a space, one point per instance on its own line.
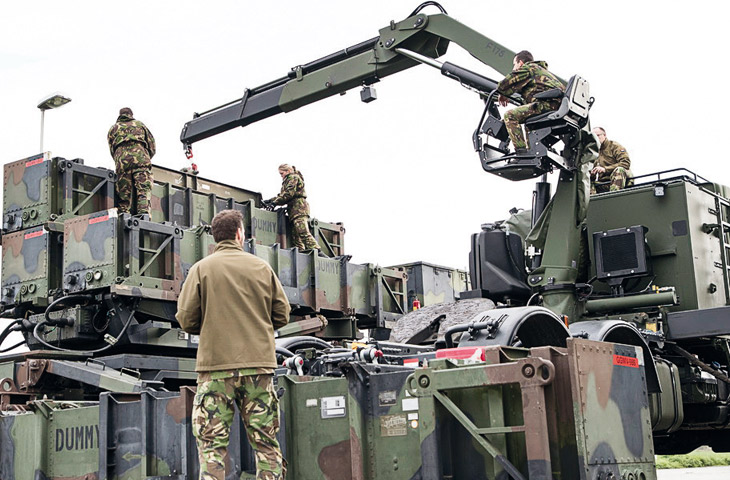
x=590 y=335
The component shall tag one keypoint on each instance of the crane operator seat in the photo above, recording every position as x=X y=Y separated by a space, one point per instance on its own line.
x=544 y=131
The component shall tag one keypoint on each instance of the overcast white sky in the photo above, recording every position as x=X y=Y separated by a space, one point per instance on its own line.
x=399 y=172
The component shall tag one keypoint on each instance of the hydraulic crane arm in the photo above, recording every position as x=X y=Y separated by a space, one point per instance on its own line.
x=420 y=38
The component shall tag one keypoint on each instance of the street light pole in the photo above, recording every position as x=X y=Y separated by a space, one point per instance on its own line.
x=54 y=100
x=43 y=117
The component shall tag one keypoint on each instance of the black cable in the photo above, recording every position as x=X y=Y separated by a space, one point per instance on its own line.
x=428 y=4
x=285 y=352
x=84 y=352
x=61 y=300
x=9 y=329
x=6 y=350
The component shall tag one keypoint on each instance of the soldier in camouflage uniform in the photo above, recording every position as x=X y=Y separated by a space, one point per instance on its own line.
x=612 y=169
x=234 y=301
x=527 y=78
x=132 y=146
x=293 y=194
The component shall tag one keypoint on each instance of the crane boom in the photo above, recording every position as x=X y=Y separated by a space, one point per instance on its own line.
x=395 y=49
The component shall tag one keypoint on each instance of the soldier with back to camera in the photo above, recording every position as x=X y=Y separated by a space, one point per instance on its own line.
x=234 y=301
x=132 y=146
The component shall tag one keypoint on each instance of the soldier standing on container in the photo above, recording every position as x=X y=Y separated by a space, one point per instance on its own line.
x=611 y=171
x=293 y=194
x=132 y=146
x=234 y=301
x=527 y=78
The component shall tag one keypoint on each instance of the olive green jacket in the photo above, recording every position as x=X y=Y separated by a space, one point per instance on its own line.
x=234 y=301
x=611 y=155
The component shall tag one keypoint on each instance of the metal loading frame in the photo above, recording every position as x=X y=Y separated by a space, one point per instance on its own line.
x=535 y=412
x=531 y=374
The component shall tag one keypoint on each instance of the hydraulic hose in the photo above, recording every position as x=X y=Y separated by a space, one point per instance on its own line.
x=284 y=352
x=7 y=332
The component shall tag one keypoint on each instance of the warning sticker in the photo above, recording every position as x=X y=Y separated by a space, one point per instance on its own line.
x=34 y=234
x=393 y=425
x=625 y=361
x=103 y=218
x=34 y=162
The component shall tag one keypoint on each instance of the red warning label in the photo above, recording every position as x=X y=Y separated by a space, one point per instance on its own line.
x=626 y=361
x=34 y=234
x=103 y=218
x=30 y=163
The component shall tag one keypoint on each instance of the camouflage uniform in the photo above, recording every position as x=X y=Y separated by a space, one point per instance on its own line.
x=132 y=146
x=528 y=80
x=252 y=389
x=293 y=194
x=614 y=158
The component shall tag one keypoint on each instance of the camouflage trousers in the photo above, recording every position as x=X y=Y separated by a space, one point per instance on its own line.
x=513 y=120
x=134 y=171
x=213 y=410
x=617 y=181
x=301 y=238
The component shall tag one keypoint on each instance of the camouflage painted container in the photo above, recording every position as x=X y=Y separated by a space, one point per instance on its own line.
x=432 y=284
x=188 y=180
x=151 y=437
x=51 y=440
x=530 y=414
x=30 y=267
x=196 y=243
x=685 y=248
x=133 y=256
x=335 y=287
x=362 y=426
x=40 y=189
x=329 y=236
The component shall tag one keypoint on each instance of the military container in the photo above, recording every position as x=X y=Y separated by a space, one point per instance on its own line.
x=686 y=250
x=187 y=179
x=372 y=295
x=367 y=425
x=50 y=439
x=30 y=267
x=40 y=189
x=431 y=284
x=129 y=255
x=329 y=236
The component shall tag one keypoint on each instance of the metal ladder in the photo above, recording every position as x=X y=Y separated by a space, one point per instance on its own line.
x=722 y=208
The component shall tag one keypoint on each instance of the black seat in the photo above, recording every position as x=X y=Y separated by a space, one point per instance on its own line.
x=576 y=101
x=545 y=132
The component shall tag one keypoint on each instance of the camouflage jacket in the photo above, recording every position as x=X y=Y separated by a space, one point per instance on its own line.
x=234 y=301
x=610 y=156
x=127 y=130
x=529 y=79
x=293 y=194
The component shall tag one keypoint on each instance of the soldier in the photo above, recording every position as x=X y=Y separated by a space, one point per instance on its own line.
x=527 y=78
x=234 y=301
x=293 y=194
x=611 y=171
x=132 y=146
